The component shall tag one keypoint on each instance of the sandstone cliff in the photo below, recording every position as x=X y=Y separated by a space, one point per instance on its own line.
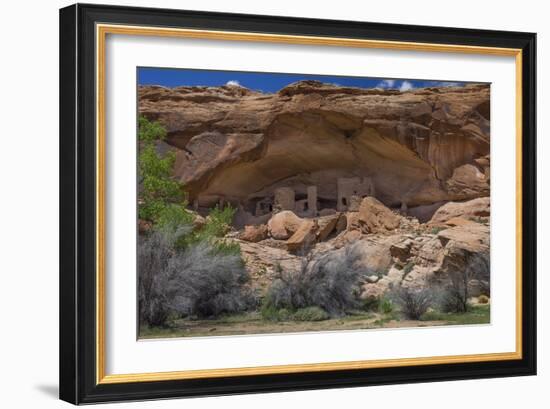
x=420 y=148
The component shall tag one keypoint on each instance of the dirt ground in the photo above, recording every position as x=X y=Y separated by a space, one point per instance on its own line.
x=252 y=323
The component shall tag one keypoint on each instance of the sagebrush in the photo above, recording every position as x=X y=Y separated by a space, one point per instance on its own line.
x=202 y=280
x=462 y=267
x=330 y=282
x=413 y=303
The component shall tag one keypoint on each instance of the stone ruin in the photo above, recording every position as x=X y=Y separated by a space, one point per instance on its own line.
x=350 y=192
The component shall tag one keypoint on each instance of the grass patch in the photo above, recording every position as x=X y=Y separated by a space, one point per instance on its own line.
x=382 y=321
x=310 y=314
x=357 y=316
x=271 y=313
x=478 y=314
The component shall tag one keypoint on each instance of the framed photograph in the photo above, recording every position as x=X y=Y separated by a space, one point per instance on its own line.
x=258 y=203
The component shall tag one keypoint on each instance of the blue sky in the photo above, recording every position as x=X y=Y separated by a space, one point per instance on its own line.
x=269 y=82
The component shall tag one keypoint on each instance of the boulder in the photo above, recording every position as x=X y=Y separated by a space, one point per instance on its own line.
x=342 y=223
x=372 y=278
x=327 y=225
x=471 y=236
x=467 y=180
x=424 y=213
x=383 y=285
x=350 y=236
x=254 y=234
x=374 y=217
x=262 y=261
x=304 y=236
x=402 y=250
x=375 y=256
x=283 y=225
x=480 y=207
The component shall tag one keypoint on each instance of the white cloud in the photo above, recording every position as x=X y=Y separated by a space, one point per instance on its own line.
x=405 y=86
x=386 y=84
x=233 y=83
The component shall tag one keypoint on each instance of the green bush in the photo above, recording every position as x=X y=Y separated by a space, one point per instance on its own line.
x=217 y=223
x=386 y=306
x=271 y=313
x=216 y=226
x=150 y=131
x=173 y=215
x=284 y=314
x=159 y=192
x=310 y=314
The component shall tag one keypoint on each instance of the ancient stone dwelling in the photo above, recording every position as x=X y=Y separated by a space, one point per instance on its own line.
x=349 y=192
x=313 y=148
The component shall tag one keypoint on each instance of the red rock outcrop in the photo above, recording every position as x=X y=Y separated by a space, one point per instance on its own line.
x=480 y=207
x=418 y=147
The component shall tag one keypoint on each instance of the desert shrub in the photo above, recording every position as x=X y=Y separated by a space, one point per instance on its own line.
x=385 y=305
x=173 y=215
x=413 y=303
x=454 y=298
x=457 y=292
x=217 y=225
x=310 y=314
x=227 y=247
x=269 y=312
x=219 y=220
x=154 y=252
x=204 y=282
x=485 y=286
x=205 y=279
x=483 y=299
x=329 y=282
x=284 y=315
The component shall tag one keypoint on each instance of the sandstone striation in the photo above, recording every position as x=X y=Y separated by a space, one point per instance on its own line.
x=407 y=149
